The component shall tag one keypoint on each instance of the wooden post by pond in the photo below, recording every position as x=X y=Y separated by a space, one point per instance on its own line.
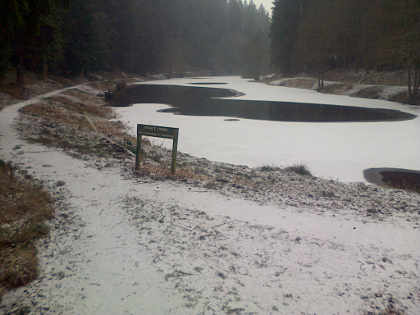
x=158 y=132
x=139 y=148
x=174 y=151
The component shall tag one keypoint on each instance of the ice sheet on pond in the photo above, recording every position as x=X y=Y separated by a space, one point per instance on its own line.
x=330 y=150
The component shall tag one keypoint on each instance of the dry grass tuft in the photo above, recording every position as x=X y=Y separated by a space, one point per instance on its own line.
x=402 y=180
x=24 y=207
x=85 y=97
x=19 y=266
x=373 y=92
x=84 y=107
x=13 y=90
x=18 y=198
x=337 y=88
x=403 y=97
x=67 y=123
x=299 y=169
x=56 y=115
x=302 y=83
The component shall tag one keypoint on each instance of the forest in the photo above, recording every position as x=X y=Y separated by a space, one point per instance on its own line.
x=137 y=36
x=74 y=37
x=317 y=36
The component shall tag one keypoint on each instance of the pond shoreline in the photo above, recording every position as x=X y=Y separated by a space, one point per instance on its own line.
x=204 y=101
x=351 y=83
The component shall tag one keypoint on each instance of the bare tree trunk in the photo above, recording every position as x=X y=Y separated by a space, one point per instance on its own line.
x=20 y=77
x=410 y=85
x=44 y=67
x=416 y=85
x=413 y=84
x=321 y=81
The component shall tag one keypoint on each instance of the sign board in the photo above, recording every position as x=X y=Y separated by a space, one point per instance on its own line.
x=158 y=132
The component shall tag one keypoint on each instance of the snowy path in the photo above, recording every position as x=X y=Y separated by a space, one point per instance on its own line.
x=142 y=247
x=99 y=268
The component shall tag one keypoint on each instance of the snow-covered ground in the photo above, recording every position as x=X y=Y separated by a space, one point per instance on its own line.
x=126 y=245
x=330 y=150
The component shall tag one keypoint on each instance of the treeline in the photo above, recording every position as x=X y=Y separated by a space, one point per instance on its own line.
x=141 y=36
x=315 y=36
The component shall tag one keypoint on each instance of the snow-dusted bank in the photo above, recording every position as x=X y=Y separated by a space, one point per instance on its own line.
x=331 y=150
x=241 y=241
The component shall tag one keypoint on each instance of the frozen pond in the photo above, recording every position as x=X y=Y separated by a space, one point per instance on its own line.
x=330 y=147
x=203 y=101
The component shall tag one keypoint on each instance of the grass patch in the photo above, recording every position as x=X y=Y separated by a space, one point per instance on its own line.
x=402 y=97
x=85 y=97
x=24 y=208
x=299 y=169
x=268 y=168
x=89 y=107
x=84 y=127
x=301 y=83
x=337 y=88
x=13 y=90
x=402 y=180
x=373 y=92
x=56 y=114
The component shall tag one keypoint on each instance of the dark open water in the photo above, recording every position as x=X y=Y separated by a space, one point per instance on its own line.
x=201 y=101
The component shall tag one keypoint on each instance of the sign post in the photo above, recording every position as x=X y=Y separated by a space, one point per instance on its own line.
x=158 y=132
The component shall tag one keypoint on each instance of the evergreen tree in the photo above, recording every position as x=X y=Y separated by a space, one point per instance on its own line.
x=25 y=21
x=284 y=25
x=135 y=36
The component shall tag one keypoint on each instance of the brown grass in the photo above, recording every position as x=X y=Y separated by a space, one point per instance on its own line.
x=113 y=128
x=369 y=92
x=302 y=83
x=85 y=107
x=337 y=88
x=402 y=180
x=86 y=117
x=24 y=207
x=56 y=114
x=402 y=97
x=33 y=85
x=13 y=90
x=299 y=169
x=85 y=98
x=61 y=110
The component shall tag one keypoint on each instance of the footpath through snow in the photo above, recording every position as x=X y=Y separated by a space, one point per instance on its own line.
x=124 y=245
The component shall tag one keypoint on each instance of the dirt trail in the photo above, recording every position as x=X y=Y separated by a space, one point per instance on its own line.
x=135 y=246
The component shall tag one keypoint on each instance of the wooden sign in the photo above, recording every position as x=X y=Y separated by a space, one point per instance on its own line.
x=158 y=132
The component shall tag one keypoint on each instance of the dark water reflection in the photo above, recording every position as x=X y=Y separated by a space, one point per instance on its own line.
x=200 y=101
